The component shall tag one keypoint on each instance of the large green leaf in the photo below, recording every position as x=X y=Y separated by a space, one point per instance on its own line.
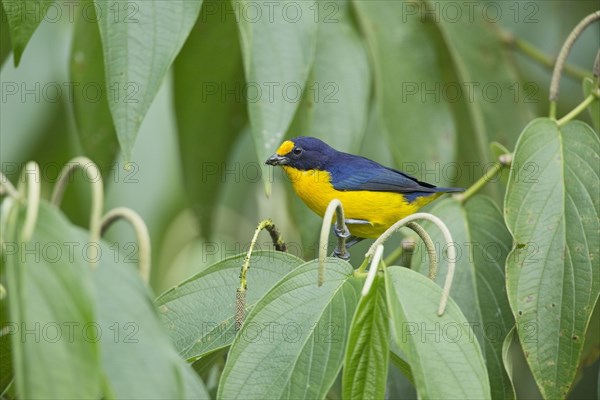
x=51 y=308
x=95 y=128
x=210 y=108
x=488 y=77
x=278 y=46
x=292 y=343
x=553 y=279
x=140 y=40
x=199 y=313
x=443 y=352
x=23 y=18
x=133 y=335
x=483 y=243
x=408 y=84
x=367 y=354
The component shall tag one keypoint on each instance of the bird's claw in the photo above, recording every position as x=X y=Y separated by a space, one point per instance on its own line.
x=337 y=253
x=342 y=232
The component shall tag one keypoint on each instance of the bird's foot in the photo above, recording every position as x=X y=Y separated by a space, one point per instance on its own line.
x=342 y=232
x=338 y=253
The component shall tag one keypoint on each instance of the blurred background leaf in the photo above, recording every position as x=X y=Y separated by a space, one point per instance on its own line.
x=210 y=107
x=276 y=73
x=95 y=127
x=23 y=18
x=139 y=45
x=406 y=68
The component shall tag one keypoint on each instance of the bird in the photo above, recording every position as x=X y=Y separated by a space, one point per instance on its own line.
x=373 y=196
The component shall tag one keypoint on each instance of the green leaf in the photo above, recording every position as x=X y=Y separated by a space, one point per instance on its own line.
x=87 y=329
x=367 y=354
x=483 y=243
x=488 y=78
x=199 y=312
x=553 y=280
x=140 y=40
x=50 y=304
x=210 y=108
x=292 y=343
x=133 y=335
x=23 y=17
x=335 y=104
x=406 y=64
x=594 y=108
x=95 y=128
x=443 y=352
x=278 y=47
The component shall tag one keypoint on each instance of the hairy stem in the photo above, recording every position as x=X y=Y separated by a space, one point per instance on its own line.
x=562 y=58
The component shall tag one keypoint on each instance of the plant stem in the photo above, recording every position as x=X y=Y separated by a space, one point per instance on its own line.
x=537 y=55
x=564 y=52
x=577 y=110
x=276 y=237
x=240 y=293
x=552 y=113
x=476 y=187
x=394 y=255
x=361 y=269
x=246 y=264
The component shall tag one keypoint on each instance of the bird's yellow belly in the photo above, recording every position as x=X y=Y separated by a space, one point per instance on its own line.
x=381 y=209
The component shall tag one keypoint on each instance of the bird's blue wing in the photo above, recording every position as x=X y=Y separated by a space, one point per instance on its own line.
x=358 y=173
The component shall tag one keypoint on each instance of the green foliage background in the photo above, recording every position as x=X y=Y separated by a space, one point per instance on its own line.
x=177 y=102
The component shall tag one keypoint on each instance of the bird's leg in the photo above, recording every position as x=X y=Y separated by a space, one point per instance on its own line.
x=342 y=233
x=351 y=240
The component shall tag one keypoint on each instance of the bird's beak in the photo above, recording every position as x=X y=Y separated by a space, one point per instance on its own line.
x=276 y=159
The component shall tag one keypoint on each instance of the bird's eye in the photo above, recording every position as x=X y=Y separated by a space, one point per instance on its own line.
x=297 y=151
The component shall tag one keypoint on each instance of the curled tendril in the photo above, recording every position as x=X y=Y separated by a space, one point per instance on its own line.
x=97 y=191
x=240 y=296
x=449 y=242
x=141 y=233
x=372 y=270
x=335 y=206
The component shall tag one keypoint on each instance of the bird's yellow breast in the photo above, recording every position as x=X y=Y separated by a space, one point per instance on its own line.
x=381 y=209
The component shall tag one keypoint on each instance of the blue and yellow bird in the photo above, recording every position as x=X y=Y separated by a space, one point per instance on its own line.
x=374 y=197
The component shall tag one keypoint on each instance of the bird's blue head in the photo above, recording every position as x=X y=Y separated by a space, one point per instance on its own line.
x=303 y=153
